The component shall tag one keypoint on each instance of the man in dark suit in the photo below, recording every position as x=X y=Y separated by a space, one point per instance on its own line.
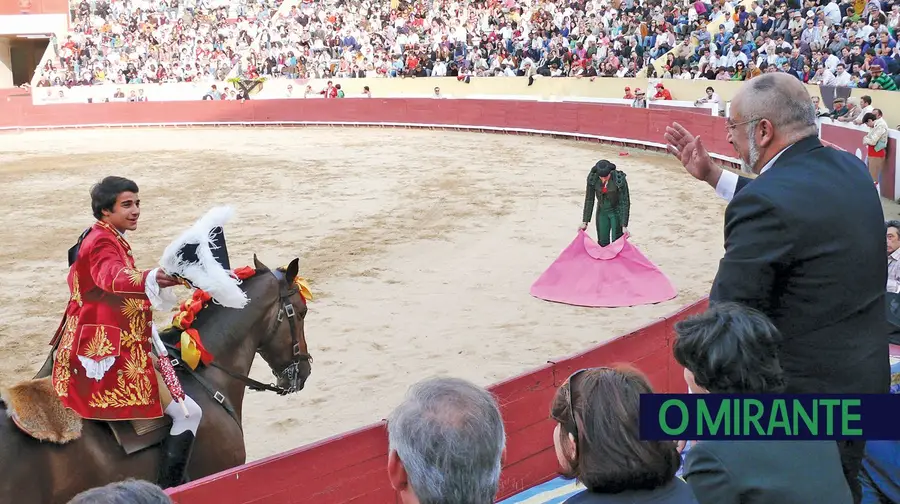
x=804 y=243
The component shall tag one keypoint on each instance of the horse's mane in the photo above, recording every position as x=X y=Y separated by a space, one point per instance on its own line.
x=172 y=335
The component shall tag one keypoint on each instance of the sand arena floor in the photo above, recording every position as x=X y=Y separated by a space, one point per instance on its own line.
x=420 y=247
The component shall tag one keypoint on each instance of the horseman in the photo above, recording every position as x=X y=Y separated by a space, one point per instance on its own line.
x=104 y=368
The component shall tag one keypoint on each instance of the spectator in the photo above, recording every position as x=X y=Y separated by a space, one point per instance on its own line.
x=854 y=111
x=876 y=141
x=640 y=100
x=818 y=272
x=866 y=107
x=367 y=92
x=213 y=93
x=596 y=439
x=838 y=109
x=731 y=349
x=893 y=252
x=662 y=93
x=127 y=42
x=711 y=97
x=446 y=443
x=124 y=492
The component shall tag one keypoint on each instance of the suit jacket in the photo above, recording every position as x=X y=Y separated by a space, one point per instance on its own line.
x=804 y=244
x=764 y=472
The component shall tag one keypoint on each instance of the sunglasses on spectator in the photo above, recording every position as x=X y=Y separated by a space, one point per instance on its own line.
x=570 y=382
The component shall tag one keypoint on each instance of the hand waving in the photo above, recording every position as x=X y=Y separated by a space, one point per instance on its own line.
x=692 y=154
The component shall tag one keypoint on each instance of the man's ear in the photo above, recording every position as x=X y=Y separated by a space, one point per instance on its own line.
x=396 y=472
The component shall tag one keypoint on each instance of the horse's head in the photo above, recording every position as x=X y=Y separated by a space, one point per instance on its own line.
x=284 y=345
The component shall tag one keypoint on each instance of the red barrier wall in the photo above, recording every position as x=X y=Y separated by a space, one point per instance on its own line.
x=352 y=467
x=615 y=123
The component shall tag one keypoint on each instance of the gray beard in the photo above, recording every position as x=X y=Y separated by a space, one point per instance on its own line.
x=753 y=155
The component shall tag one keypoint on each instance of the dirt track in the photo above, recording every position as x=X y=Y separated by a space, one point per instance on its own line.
x=420 y=247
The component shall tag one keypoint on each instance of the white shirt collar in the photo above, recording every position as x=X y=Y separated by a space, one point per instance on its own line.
x=772 y=161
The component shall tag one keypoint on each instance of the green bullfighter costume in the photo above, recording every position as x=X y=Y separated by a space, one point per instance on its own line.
x=613 y=203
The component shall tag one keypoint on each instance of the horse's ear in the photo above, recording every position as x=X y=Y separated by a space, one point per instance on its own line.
x=291 y=273
x=258 y=265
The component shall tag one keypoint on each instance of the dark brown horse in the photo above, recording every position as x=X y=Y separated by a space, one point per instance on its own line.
x=35 y=472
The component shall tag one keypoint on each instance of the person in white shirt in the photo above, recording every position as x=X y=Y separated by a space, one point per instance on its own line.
x=711 y=97
x=840 y=77
x=865 y=102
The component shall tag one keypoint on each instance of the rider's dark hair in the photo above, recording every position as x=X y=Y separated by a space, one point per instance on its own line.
x=105 y=192
x=124 y=492
x=731 y=349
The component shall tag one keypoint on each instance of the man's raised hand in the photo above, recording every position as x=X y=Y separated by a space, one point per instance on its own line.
x=692 y=154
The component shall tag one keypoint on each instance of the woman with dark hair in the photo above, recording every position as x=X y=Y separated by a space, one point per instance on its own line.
x=732 y=349
x=610 y=188
x=597 y=441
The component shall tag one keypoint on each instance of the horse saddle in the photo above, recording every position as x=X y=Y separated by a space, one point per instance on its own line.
x=36 y=410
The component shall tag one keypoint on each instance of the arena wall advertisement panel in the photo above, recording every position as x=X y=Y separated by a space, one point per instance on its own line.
x=351 y=467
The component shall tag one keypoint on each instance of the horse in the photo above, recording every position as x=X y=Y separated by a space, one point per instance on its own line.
x=50 y=473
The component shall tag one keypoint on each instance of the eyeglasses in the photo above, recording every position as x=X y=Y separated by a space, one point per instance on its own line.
x=731 y=126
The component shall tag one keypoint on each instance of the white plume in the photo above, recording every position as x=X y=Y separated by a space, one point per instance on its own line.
x=207 y=274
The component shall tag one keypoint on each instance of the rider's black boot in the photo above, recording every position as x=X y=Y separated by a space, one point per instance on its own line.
x=177 y=452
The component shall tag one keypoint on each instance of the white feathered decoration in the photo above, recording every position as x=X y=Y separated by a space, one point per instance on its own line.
x=207 y=274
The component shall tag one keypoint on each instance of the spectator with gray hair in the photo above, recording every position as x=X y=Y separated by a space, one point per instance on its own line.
x=446 y=444
x=123 y=492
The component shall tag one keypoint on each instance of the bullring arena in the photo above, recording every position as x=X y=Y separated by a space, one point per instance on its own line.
x=419 y=243
x=419 y=266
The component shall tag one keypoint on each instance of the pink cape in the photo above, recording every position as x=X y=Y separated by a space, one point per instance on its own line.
x=586 y=274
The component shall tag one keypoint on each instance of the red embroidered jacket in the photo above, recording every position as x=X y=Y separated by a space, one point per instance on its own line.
x=106 y=334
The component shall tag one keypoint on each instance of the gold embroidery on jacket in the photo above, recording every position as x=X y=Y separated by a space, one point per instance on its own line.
x=61 y=374
x=99 y=346
x=133 y=386
x=134 y=278
x=132 y=308
x=76 y=289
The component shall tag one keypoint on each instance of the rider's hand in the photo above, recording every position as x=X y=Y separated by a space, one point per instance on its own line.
x=692 y=154
x=164 y=280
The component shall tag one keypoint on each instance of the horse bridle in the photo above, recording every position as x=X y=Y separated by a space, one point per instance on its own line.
x=291 y=372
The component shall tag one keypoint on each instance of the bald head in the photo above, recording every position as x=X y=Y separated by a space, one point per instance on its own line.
x=783 y=100
x=768 y=114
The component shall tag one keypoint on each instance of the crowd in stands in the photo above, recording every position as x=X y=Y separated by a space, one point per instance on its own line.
x=834 y=42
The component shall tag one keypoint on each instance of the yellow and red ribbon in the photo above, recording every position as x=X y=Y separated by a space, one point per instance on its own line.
x=192 y=350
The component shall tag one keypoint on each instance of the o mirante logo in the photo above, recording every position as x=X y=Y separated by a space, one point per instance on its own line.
x=775 y=416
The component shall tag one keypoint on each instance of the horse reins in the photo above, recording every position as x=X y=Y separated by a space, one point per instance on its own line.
x=291 y=373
